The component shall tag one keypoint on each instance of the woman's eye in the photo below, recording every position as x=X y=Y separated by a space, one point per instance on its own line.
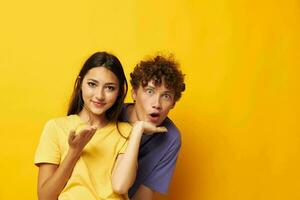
x=91 y=84
x=110 y=88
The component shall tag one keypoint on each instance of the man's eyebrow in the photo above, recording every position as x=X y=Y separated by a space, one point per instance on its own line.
x=169 y=92
x=149 y=86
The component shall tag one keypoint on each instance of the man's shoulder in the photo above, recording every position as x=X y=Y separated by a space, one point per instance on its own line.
x=123 y=115
x=173 y=131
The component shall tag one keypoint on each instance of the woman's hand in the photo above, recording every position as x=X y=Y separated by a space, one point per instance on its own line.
x=124 y=172
x=78 y=141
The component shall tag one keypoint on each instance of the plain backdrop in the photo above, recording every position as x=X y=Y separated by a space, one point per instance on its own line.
x=239 y=115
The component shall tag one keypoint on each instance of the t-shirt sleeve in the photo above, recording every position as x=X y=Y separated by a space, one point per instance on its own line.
x=160 y=177
x=124 y=147
x=125 y=129
x=48 y=150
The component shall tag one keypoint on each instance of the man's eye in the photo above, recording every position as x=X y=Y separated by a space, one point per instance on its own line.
x=91 y=84
x=149 y=91
x=166 y=96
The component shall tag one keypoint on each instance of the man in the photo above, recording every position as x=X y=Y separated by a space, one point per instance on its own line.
x=157 y=85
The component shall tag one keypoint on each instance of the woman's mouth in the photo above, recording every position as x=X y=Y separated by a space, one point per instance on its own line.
x=98 y=103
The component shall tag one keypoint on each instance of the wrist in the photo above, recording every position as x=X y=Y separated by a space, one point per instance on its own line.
x=73 y=154
x=138 y=128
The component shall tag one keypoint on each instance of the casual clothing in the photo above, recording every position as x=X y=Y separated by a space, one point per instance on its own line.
x=91 y=177
x=157 y=157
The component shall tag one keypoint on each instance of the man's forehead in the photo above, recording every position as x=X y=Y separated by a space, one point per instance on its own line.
x=152 y=84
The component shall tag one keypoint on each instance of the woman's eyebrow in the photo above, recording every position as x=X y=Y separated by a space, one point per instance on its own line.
x=111 y=83
x=94 y=80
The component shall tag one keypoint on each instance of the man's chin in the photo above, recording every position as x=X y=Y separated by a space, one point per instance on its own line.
x=156 y=122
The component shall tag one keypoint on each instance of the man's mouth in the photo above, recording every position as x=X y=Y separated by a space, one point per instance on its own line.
x=154 y=117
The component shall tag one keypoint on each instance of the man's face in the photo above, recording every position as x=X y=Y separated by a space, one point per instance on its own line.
x=153 y=103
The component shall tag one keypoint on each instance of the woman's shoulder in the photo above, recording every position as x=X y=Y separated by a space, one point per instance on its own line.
x=64 y=122
x=63 y=119
x=125 y=124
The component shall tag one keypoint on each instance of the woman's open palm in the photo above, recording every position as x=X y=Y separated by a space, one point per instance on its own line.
x=78 y=141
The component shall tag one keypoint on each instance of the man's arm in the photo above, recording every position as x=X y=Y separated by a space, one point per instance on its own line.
x=143 y=193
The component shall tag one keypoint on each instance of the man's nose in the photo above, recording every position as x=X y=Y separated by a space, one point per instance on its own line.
x=156 y=102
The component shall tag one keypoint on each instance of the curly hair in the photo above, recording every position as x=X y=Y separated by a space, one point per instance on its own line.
x=158 y=69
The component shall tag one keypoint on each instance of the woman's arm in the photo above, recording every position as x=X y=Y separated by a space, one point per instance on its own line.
x=125 y=168
x=53 y=178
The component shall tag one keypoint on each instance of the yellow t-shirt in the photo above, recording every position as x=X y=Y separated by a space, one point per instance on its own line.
x=91 y=177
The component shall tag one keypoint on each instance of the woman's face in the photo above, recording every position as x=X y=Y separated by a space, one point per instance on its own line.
x=100 y=88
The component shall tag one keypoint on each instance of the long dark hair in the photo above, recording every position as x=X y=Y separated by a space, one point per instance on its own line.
x=111 y=62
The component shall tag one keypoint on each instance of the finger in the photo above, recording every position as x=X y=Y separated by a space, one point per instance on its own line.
x=161 y=129
x=93 y=127
x=88 y=133
x=71 y=136
x=84 y=133
x=91 y=134
x=91 y=130
x=88 y=129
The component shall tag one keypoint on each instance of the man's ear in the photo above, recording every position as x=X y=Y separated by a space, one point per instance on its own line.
x=133 y=94
x=173 y=105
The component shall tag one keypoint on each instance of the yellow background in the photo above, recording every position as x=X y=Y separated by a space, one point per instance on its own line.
x=238 y=116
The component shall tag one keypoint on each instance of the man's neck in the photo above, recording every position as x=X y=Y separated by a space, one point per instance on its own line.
x=131 y=113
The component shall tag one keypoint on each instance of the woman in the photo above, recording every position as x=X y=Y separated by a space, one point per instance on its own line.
x=89 y=154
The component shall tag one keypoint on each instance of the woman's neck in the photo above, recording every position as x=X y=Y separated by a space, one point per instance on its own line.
x=99 y=120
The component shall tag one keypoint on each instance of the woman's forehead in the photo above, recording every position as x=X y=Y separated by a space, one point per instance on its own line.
x=101 y=74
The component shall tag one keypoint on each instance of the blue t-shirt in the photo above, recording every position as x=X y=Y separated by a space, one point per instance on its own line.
x=157 y=157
